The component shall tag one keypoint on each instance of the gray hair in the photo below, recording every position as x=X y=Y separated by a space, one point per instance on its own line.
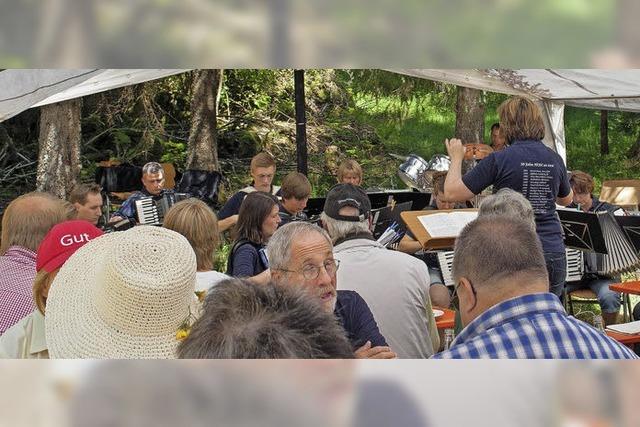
x=510 y=203
x=340 y=229
x=279 y=246
x=492 y=248
x=152 y=168
x=243 y=321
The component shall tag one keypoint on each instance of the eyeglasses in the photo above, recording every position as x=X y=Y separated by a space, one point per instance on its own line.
x=311 y=272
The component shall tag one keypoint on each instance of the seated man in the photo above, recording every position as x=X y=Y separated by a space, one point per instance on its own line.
x=350 y=172
x=295 y=192
x=505 y=303
x=25 y=222
x=438 y=292
x=153 y=186
x=582 y=185
x=395 y=285
x=301 y=254
x=243 y=321
x=87 y=200
x=263 y=169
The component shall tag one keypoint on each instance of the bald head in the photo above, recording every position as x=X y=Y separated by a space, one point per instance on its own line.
x=496 y=258
x=499 y=249
x=29 y=218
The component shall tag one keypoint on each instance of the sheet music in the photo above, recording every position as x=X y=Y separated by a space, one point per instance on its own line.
x=446 y=224
x=626 y=328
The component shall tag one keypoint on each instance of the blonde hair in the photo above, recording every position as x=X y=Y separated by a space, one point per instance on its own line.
x=349 y=166
x=520 y=120
x=42 y=282
x=29 y=218
x=196 y=221
x=262 y=160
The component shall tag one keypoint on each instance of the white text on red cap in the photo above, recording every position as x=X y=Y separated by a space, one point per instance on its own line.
x=70 y=239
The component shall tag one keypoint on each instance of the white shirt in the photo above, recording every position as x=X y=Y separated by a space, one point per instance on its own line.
x=206 y=279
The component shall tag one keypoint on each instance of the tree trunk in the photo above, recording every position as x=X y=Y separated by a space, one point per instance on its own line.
x=604 y=132
x=59 y=141
x=469 y=119
x=203 y=145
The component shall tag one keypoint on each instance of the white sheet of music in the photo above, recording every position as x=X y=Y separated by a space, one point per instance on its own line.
x=446 y=224
x=626 y=328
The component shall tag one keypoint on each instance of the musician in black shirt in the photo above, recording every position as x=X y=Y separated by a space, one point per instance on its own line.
x=582 y=185
x=153 y=186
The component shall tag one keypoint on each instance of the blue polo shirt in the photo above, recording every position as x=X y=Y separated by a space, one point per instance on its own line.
x=357 y=320
x=536 y=171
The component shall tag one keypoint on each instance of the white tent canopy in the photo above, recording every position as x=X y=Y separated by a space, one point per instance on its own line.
x=552 y=88
x=23 y=89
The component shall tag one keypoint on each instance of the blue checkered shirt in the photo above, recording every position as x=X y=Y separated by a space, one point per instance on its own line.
x=534 y=326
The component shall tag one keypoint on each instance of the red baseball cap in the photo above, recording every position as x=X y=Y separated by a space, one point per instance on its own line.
x=62 y=241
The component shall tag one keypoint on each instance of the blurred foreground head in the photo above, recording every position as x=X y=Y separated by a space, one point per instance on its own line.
x=244 y=321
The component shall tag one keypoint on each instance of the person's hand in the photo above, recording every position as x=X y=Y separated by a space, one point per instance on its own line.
x=379 y=352
x=455 y=149
x=115 y=219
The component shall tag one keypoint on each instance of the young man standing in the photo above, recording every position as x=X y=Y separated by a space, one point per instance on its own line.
x=263 y=169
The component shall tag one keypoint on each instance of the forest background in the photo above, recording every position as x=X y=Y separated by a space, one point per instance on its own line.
x=363 y=114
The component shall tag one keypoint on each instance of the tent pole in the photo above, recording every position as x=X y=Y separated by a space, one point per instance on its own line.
x=301 y=122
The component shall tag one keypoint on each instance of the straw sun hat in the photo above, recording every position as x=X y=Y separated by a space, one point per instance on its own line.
x=123 y=295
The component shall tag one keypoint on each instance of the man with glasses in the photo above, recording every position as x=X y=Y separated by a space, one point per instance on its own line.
x=394 y=284
x=301 y=254
x=505 y=304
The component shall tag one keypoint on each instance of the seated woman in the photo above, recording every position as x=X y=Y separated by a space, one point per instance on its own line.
x=437 y=291
x=258 y=219
x=582 y=185
x=196 y=221
x=26 y=339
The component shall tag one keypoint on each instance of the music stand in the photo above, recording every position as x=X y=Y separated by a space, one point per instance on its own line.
x=582 y=231
x=315 y=206
x=384 y=217
x=631 y=227
x=381 y=199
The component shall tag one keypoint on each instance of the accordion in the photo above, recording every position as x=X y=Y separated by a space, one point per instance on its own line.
x=575 y=265
x=621 y=255
x=608 y=241
x=152 y=212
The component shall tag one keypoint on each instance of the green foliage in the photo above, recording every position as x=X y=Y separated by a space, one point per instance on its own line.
x=582 y=133
x=174 y=152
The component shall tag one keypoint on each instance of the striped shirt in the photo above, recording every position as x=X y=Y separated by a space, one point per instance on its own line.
x=534 y=326
x=17 y=271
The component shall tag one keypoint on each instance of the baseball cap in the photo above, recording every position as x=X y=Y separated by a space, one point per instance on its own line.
x=62 y=241
x=342 y=195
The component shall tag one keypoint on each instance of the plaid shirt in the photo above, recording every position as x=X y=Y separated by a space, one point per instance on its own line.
x=532 y=326
x=17 y=271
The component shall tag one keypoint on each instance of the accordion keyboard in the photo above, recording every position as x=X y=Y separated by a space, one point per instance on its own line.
x=147 y=211
x=575 y=265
